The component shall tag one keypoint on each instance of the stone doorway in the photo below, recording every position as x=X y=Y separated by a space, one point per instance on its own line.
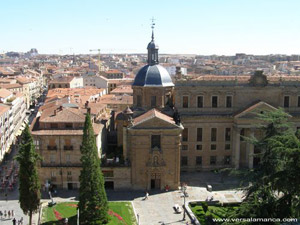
x=155 y=181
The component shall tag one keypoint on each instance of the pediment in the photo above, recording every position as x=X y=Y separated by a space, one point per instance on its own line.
x=154 y=122
x=252 y=111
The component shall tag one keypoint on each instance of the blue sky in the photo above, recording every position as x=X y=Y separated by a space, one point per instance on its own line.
x=192 y=26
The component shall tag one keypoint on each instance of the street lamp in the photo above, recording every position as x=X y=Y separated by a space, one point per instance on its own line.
x=184 y=193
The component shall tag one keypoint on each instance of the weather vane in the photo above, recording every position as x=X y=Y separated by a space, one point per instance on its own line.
x=152 y=26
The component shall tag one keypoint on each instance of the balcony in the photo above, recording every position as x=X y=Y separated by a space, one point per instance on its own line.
x=44 y=164
x=54 y=147
x=68 y=147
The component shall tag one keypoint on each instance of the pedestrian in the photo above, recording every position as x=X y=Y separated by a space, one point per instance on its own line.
x=147 y=195
x=8 y=213
x=1 y=214
x=14 y=221
x=12 y=213
x=5 y=214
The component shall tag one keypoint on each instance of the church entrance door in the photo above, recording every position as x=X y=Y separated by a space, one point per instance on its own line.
x=155 y=181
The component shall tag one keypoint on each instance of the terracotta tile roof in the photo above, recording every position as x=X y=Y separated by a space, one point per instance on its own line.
x=4 y=93
x=123 y=89
x=151 y=114
x=61 y=80
x=113 y=99
x=113 y=71
x=10 y=86
x=35 y=131
x=24 y=80
x=3 y=109
x=62 y=92
x=66 y=115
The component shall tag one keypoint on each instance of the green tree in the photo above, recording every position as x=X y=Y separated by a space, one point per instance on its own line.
x=29 y=188
x=274 y=188
x=93 y=206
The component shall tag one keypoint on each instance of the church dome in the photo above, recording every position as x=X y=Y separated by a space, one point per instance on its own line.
x=153 y=75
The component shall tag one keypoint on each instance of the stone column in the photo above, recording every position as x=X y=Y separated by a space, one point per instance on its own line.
x=251 y=150
x=236 y=147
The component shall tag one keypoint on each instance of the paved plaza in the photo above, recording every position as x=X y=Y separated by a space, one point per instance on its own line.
x=157 y=209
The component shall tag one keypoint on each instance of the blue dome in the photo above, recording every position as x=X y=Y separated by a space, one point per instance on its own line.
x=154 y=75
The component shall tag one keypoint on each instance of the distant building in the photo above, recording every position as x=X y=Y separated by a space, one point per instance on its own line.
x=114 y=74
x=66 y=82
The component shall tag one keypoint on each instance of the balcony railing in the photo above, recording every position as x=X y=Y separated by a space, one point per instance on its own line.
x=68 y=147
x=50 y=147
x=43 y=164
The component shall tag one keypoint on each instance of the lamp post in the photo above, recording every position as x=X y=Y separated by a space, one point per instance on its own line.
x=184 y=189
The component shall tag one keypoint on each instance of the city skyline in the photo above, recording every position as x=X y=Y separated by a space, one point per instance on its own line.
x=197 y=27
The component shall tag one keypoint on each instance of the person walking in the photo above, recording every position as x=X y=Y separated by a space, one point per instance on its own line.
x=1 y=214
x=12 y=213
x=5 y=214
x=146 y=196
x=14 y=221
x=8 y=214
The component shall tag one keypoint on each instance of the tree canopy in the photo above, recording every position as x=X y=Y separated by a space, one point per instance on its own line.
x=93 y=206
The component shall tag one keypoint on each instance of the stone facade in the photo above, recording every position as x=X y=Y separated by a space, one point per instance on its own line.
x=217 y=111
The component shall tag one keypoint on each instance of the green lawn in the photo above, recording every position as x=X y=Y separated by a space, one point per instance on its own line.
x=217 y=211
x=119 y=213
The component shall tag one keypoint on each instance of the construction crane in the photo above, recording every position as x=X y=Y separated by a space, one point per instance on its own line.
x=96 y=50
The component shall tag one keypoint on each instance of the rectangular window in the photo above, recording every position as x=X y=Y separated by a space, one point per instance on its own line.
x=214 y=101
x=200 y=102
x=286 y=102
x=69 y=173
x=199 y=134
x=228 y=101
x=298 y=103
x=139 y=101
x=227 y=134
x=227 y=146
x=155 y=141
x=227 y=160
x=52 y=158
x=54 y=125
x=185 y=101
x=153 y=101
x=213 y=147
x=68 y=158
x=184 y=161
x=184 y=147
x=198 y=160
x=185 y=134
x=69 y=125
x=199 y=147
x=213 y=134
x=213 y=160
x=37 y=144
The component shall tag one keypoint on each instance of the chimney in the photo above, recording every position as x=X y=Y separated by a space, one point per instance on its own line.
x=86 y=104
